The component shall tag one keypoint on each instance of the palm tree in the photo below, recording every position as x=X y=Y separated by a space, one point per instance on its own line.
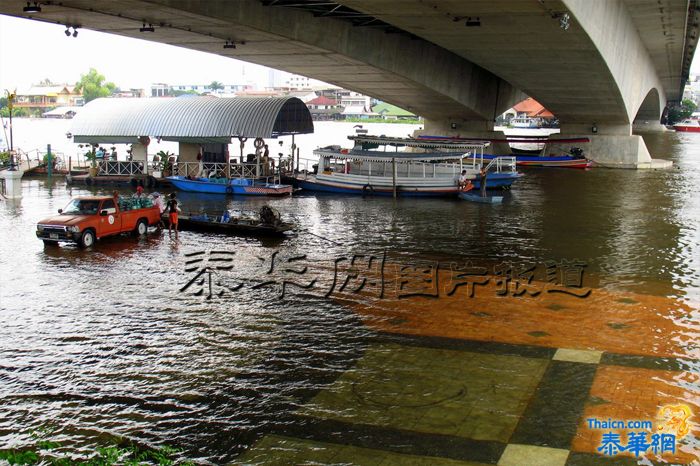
x=216 y=86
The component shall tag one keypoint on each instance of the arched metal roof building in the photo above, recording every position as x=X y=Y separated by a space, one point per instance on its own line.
x=195 y=119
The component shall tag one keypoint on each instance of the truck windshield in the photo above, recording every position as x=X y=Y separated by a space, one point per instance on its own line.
x=82 y=206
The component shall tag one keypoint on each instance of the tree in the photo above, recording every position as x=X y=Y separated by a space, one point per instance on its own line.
x=216 y=86
x=178 y=92
x=680 y=112
x=93 y=86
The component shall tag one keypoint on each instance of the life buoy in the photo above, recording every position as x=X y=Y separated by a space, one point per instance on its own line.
x=367 y=189
x=229 y=189
x=259 y=143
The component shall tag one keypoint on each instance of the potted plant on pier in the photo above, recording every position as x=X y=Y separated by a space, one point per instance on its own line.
x=165 y=165
x=91 y=156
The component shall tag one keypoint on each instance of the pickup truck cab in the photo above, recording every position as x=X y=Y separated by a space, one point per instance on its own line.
x=87 y=219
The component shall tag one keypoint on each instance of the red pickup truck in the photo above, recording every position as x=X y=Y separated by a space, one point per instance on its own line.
x=87 y=219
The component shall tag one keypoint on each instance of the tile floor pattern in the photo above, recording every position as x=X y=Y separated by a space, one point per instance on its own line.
x=468 y=400
x=506 y=381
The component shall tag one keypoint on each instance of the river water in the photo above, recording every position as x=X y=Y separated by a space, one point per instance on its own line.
x=122 y=340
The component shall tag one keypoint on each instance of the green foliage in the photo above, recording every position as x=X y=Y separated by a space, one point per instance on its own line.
x=19 y=457
x=681 y=112
x=91 y=156
x=178 y=92
x=164 y=157
x=216 y=86
x=408 y=121
x=93 y=86
x=4 y=158
x=118 y=452
x=16 y=112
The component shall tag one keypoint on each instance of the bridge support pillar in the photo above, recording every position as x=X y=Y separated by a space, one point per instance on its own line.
x=479 y=129
x=611 y=146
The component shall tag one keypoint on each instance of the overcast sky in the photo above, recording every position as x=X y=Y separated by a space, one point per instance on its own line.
x=31 y=51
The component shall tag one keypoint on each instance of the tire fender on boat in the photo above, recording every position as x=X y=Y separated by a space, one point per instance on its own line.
x=229 y=189
x=367 y=189
x=89 y=180
x=259 y=143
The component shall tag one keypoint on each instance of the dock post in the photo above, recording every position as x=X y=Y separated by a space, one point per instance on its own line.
x=70 y=164
x=49 y=161
x=393 y=175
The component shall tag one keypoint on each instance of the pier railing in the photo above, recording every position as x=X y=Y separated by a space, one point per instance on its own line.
x=225 y=170
x=413 y=169
x=117 y=168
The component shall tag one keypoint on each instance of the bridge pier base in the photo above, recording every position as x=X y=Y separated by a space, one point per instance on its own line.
x=648 y=127
x=480 y=129
x=611 y=146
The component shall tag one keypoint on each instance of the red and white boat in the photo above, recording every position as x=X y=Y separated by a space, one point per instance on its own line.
x=688 y=126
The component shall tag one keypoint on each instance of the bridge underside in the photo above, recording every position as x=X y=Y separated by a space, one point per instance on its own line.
x=463 y=62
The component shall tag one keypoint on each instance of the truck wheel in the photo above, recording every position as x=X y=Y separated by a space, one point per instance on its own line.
x=87 y=239
x=141 y=228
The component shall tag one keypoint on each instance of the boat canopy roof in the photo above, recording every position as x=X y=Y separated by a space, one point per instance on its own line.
x=195 y=120
x=367 y=140
x=380 y=156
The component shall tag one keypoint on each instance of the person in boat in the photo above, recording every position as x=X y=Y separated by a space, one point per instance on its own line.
x=463 y=180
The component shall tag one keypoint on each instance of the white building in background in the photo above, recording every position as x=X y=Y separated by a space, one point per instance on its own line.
x=356 y=100
x=165 y=90
x=692 y=89
x=160 y=90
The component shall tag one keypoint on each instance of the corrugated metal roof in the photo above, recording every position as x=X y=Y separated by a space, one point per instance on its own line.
x=201 y=118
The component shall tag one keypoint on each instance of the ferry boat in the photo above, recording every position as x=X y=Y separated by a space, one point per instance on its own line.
x=688 y=126
x=533 y=158
x=433 y=172
x=245 y=186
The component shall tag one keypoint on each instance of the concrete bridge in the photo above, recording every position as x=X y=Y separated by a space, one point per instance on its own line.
x=602 y=67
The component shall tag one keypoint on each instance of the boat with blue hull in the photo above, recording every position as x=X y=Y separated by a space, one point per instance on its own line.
x=429 y=170
x=243 y=186
x=472 y=196
x=531 y=158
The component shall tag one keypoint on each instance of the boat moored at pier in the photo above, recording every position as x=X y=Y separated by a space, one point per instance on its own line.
x=244 y=186
x=435 y=171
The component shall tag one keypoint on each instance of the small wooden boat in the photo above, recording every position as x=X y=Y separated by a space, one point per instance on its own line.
x=476 y=197
x=268 y=223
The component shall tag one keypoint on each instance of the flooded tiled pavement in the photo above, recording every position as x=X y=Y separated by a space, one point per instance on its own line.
x=103 y=343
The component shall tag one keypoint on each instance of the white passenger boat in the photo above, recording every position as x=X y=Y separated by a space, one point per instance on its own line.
x=432 y=169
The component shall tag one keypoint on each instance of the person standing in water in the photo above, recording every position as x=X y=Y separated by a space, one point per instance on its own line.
x=173 y=209
x=482 y=182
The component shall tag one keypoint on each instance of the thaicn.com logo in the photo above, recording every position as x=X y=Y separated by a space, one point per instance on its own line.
x=639 y=437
